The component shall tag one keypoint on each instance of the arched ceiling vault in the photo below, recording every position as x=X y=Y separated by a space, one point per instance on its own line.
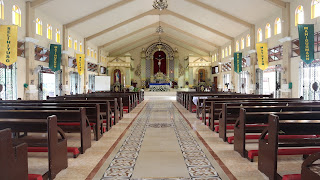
x=200 y=25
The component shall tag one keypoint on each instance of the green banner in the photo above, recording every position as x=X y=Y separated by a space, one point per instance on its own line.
x=237 y=62
x=55 y=57
x=306 y=40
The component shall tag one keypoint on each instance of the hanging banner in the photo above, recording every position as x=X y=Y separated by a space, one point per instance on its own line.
x=80 y=63
x=262 y=53
x=306 y=40
x=55 y=57
x=9 y=44
x=237 y=62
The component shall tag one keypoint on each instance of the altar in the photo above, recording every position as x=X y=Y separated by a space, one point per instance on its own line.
x=159 y=86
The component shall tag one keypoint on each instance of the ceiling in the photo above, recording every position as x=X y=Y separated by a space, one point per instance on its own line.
x=129 y=23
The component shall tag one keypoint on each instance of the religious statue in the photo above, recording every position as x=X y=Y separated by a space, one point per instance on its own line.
x=159 y=61
x=117 y=76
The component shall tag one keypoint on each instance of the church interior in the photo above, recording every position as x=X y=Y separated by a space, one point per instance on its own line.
x=159 y=89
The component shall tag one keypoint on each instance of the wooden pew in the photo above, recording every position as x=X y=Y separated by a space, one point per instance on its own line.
x=309 y=170
x=97 y=112
x=57 y=147
x=13 y=158
x=250 y=116
x=204 y=104
x=308 y=123
x=230 y=112
x=65 y=116
x=191 y=95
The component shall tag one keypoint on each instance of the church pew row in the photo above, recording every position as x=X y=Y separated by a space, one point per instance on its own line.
x=64 y=117
x=271 y=147
x=231 y=112
x=188 y=97
x=203 y=105
x=16 y=167
x=242 y=129
x=105 y=109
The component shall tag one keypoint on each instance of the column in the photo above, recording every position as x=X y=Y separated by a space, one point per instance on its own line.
x=143 y=68
x=31 y=77
x=286 y=62
x=233 y=75
x=176 y=65
x=191 y=77
x=253 y=59
x=65 y=63
x=128 y=76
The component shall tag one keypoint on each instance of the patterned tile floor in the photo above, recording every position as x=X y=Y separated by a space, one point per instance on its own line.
x=196 y=162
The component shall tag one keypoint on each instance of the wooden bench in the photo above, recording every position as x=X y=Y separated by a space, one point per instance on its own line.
x=287 y=124
x=231 y=111
x=309 y=170
x=55 y=142
x=92 y=111
x=249 y=117
x=65 y=117
x=13 y=158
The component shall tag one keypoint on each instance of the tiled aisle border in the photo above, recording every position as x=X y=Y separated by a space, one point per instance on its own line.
x=105 y=157
x=214 y=155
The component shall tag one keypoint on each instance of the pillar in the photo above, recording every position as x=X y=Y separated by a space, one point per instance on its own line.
x=64 y=62
x=143 y=68
x=176 y=65
x=31 y=77
x=233 y=75
x=128 y=77
x=286 y=61
x=253 y=59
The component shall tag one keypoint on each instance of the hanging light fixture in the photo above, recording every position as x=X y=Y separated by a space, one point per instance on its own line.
x=160 y=4
x=159 y=29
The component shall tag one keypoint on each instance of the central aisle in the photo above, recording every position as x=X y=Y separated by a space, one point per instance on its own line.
x=160 y=145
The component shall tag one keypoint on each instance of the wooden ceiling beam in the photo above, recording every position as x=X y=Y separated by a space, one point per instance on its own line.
x=196 y=23
x=188 y=34
x=37 y=3
x=134 y=46
x=151 y=12
x=136 y=41
x=175 y=43
x=221 y=13
x=277 y=3
x=187 y=43
x=130 y=34
x=97 y=13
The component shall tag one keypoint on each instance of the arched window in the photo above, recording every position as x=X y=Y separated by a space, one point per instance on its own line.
x=75 y=44
x=1 y=9
x=242 y=43
x=80 y=46
x=259 y=35
x=49 y=31
x=69 y=42
x=16 y=15
x=277 y=26
x=95 y=54
x=237 y=46
x=268 y=31
x=91 y=53
x=222 y=53
x=299 y=15
x=88 y=52
x=229 y=50
x=58 y=35
x=226 y=52
x=38 y=27
x=248 y=40
x=215 y=57
x=315 y=9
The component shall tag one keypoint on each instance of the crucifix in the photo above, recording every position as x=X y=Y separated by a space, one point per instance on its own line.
x=159 y=62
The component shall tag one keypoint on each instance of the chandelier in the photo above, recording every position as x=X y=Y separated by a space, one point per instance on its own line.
x=160 y=4
x=159 y=30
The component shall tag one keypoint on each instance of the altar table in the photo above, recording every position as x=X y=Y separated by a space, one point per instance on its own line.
x=159 y=86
